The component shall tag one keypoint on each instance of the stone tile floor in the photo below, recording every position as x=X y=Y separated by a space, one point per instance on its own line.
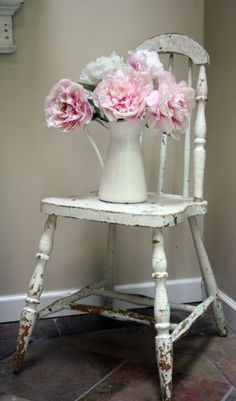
x=89 y=358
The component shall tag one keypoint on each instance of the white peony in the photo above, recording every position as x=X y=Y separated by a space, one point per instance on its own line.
x=96 y=70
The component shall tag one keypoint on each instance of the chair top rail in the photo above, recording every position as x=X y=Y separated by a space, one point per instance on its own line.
x=178 y=44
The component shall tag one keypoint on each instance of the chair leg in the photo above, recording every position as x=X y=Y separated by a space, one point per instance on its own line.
x=29 y=312
x=164 y=347
x=110 y=268
x=208 y=276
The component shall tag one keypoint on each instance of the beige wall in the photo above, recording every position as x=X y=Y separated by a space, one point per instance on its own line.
x=56 y=38
x=220 y=228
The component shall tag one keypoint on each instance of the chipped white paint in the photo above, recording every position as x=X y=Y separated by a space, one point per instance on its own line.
x=179 y=44
x=158 y=211
x=208 y=276
x=187 y=323
x=164 y=348
x=162 y=163
x=99 y=290
x=29 y=312
x=62 y=302
x=110 y=262
x=115 y=314
x=187 y=140
x=163 y=145
x=200 y=134
x=7 y=9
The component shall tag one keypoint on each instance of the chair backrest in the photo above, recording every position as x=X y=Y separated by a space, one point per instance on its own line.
x=172 y=44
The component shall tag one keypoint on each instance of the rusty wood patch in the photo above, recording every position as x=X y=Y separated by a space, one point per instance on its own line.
x=116 y=314
x=20 y=349
x=221 y=323
x=165 y=365
x=62 y=303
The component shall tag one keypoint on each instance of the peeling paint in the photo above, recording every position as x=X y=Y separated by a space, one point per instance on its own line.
x=116 y=314
x=20 y=349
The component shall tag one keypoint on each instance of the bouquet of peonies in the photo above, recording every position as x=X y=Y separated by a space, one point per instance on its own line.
x=110 y=90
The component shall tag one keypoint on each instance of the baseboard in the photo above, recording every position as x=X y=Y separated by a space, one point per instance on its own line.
x=179 y=290
x=229 y=306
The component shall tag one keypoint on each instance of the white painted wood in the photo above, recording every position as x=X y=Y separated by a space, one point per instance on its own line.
x=181 y=290
x=183 y=45
x=162 y=163
x=200 y=134
x=171 y=63
x=158 y=211
x=98 y=290
x=187 y=140
x=208 y=276
x=110 y=262
x=116 y=314
x=29 y=312
x=163 y=145
x=139 y=299
x=59 y=304
x=7 y=9
x=164 y=347
x=177 y=43
x=184 y=290
x=187 y=323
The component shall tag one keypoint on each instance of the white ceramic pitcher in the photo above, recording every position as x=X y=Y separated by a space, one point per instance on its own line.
x=123 y=177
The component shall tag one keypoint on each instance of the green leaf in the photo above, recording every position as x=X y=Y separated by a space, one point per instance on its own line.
x=89 y=87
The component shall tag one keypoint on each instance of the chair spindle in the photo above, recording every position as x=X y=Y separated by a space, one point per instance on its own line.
x=200 y=134
x=187 y=143
x=163 y=146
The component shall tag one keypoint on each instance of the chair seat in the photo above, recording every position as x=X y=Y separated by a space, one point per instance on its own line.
x=158 y=211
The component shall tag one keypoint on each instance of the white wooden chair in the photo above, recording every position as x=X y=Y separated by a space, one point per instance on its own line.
x=159 y=212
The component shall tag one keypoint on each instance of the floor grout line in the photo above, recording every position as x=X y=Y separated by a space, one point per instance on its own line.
x=219 y=369
x=228 y=393
x=101 y=380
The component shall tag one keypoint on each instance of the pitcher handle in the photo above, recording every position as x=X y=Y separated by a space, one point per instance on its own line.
x=94 y=145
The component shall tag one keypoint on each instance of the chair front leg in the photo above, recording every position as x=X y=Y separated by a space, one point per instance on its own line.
x=29 y=312
x=208 y=276
x=164 y=347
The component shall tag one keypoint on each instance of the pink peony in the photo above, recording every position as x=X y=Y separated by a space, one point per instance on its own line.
x=169 y=107
x=67 y=107
x=146 y=62
x=122 y=95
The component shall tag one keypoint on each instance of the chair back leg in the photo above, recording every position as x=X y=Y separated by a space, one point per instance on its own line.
x=110 y=263
x=208 y=276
